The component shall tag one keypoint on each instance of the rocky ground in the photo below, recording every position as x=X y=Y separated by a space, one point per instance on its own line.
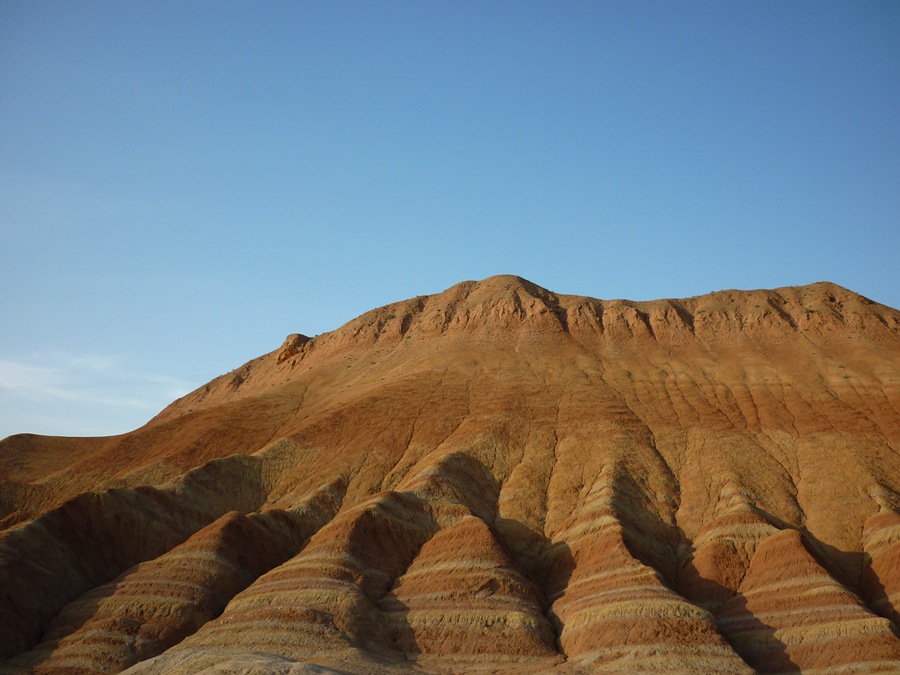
x=493 y=479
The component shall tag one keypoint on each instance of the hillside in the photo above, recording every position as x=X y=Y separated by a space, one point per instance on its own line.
x=494 y=479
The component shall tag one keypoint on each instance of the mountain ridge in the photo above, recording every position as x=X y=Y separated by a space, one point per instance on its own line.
x=610 y=484
x=498 y=295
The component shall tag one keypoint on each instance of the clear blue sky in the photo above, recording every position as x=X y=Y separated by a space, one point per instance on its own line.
x=182 y=184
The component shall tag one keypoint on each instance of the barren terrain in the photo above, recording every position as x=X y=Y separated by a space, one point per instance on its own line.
x=492 y=479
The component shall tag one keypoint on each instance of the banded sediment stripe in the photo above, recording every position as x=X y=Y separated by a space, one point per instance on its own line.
x=881 y=579
x=464 y=596
x=613 y=610
x=154 y=605
x=325 y=598
x=790 y=613
x=723 y=548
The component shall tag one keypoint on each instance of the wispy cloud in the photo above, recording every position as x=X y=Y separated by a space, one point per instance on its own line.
x=83 y=378
x=23 y=377
x=103 y=393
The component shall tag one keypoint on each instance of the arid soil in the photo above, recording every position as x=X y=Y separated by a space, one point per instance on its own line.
x=493 y=479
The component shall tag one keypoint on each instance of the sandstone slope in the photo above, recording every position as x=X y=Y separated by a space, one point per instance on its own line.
x=495 y=478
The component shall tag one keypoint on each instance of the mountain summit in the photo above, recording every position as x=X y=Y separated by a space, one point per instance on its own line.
x=492 y=479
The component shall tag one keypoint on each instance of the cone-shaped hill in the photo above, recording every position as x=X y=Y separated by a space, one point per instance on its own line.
x=492 y=479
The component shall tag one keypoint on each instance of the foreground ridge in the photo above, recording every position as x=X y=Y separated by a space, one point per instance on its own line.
x=495 y=478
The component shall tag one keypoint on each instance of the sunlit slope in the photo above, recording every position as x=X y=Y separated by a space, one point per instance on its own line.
x=492 y=477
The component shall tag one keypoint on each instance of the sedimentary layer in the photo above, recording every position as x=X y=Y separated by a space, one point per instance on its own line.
x=495 y=478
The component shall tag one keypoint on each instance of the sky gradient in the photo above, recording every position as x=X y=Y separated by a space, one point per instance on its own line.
x=183 y=184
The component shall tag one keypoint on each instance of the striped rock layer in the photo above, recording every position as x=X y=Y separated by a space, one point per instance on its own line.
x=493 y=479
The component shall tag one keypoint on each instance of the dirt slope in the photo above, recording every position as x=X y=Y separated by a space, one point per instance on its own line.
x=495 y=478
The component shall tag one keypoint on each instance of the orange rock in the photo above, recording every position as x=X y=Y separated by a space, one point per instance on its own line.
x=495 y=478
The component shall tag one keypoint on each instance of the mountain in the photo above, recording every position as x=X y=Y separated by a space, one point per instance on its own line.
x=492 y=479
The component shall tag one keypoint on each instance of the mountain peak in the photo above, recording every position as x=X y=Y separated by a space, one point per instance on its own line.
x=494 y=476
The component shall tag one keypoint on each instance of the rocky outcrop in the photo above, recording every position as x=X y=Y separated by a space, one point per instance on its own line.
x=293 y=345
x=496 y=478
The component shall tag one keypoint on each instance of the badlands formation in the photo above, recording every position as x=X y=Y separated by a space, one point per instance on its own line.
x=493 y=479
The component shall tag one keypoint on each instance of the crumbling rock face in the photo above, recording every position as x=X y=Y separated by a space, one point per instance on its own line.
x=293 y=345
x=496 y=478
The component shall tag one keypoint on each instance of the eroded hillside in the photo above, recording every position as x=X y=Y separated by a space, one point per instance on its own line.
x=495 y=478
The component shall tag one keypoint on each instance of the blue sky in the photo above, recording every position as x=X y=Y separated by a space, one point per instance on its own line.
x=182 y=184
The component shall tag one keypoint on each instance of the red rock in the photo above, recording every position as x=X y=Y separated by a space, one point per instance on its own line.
x=516 y=481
